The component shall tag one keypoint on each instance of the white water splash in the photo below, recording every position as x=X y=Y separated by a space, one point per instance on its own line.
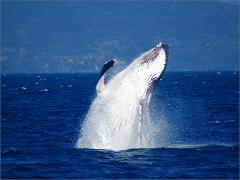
x=119 y=117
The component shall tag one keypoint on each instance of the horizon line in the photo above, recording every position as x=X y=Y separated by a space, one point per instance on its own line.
x=237 y=71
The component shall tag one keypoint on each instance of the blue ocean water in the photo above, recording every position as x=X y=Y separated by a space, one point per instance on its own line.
x=41 y=115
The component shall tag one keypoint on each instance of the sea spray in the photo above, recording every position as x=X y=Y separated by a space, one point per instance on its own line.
x=119 y=116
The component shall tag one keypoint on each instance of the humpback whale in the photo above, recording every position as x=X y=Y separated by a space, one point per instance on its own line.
x=119 y=118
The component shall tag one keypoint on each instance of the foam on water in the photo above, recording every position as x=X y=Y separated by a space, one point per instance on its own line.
x=119 y=116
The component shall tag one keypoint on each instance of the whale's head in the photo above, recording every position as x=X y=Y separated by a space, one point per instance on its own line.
x=151 y=64
x=143 y=72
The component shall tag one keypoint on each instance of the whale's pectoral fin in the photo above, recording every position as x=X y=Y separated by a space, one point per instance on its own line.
x=100 y=85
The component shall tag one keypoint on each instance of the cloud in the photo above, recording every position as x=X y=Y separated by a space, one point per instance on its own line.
x=13 y=53
x=109 y=43
x=22 y=52
x=3 y=58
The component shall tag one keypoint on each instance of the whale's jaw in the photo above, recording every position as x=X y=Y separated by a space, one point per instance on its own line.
x=151 y=64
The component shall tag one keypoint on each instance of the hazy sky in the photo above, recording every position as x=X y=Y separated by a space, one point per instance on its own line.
x=54 y=37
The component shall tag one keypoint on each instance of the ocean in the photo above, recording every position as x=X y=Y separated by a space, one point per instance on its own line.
x=42 y=114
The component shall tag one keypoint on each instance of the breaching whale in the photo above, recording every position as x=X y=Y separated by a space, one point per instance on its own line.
x=118 y=118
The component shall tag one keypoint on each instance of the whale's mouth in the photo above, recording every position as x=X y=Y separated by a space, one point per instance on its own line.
x=166 y=48
x=160 y=46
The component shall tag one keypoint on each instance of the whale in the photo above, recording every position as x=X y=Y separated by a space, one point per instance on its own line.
x=119 y=117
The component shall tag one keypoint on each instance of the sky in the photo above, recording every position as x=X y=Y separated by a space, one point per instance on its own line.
x=80 y=36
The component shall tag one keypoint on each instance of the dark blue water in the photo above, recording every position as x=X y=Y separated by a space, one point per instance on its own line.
x=41 y=116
